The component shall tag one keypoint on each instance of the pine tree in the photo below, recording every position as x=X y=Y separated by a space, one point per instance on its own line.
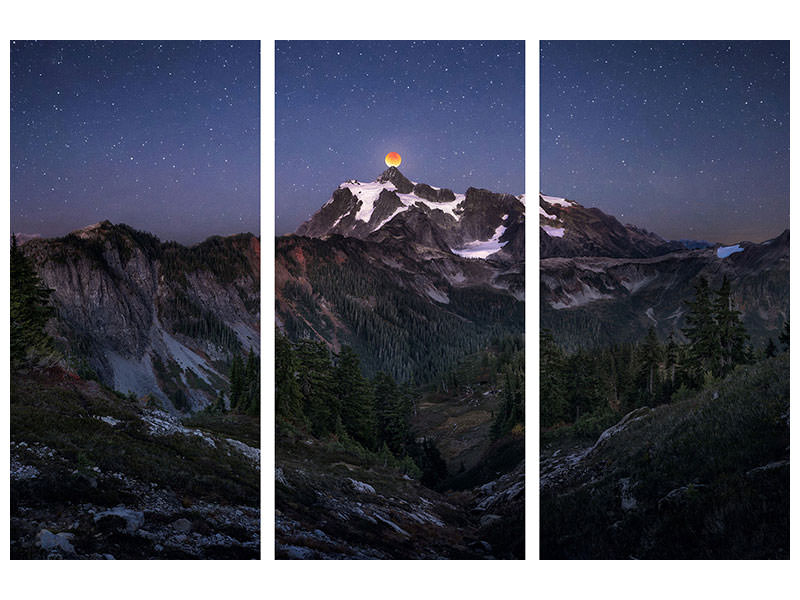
x=29 y=311
x=703 y=350
x=650 y=354
x=552 y=385
x=392 y=426
x=287 y=390
x=252 y=385
x=355 y=398
x=730 y=330
x=237 y=382
x=783 y=338
x=315 y=378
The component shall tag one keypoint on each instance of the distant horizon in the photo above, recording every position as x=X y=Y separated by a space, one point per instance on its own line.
x=732 y=240
x=27 y=236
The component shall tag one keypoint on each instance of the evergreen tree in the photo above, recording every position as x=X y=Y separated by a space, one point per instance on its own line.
x=237 y=382
x=252 y=385
x=703 y=350
x=783 y=338
x=315 y=378
x=732 y=337
x=29 y=311
x=355 y=398
x=649 y=355
x=288 y=397
x=392 y=426
x=552 y=385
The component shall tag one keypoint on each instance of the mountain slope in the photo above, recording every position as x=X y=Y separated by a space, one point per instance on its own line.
x=706 y=477
x=568 y=229
x=603 y=283
x=98 y=475
x=411 y=276
x=460 y=222
x=148 y=317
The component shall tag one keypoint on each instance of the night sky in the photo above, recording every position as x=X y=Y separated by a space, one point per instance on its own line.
x=686 y=139
x=454 y=111
x=163 y=136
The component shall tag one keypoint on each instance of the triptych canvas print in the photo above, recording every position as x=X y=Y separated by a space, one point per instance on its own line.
x=399 y=412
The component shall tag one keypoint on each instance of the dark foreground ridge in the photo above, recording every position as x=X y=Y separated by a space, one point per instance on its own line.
x=98 y=475
x=706 y=477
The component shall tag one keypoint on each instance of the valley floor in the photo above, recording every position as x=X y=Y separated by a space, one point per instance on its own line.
x=331 y=504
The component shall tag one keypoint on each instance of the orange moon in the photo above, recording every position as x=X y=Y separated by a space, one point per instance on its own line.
x=393 y=159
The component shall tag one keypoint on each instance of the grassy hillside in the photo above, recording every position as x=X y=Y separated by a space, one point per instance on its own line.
x=705 y=477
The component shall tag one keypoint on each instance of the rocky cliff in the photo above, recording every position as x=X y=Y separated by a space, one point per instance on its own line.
x=152 y=318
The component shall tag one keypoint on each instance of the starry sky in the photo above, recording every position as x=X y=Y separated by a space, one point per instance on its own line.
x=454 y=111
x=687 y=139
x=162 y=136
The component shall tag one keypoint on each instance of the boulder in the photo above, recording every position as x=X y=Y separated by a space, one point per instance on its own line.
x=49 y=541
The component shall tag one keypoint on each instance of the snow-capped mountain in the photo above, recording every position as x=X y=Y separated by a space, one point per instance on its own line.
x=475 y=224
x=602 y=282
x=410 y=275
x=569 y=229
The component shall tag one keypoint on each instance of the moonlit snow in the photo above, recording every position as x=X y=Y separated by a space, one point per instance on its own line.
x=482 y=249
x=726 y=251
x=553 y=231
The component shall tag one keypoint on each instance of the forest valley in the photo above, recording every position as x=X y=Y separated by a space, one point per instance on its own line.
x=330 y=414
x=592 y=389
x=669 y=449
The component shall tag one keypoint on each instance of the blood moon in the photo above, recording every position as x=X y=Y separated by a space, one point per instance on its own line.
x=393 y=159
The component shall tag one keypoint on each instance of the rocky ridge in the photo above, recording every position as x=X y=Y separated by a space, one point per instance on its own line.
x=148 y=317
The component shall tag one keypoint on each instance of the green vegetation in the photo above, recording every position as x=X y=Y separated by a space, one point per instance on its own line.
x=53 y=410
x=592 y=389
x=30 y=311
x=708 y=476
x=326 y=395
x=245 y=388
x=402 y=334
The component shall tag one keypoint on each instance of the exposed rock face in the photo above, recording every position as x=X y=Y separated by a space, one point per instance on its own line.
x=606 y=298
x=347 y=511
x=428 y=216
x=569 y=229
x=152 y=318
x=429 y=252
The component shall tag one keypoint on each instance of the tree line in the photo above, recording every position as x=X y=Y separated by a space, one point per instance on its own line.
x=326 y=394
x=591 y=388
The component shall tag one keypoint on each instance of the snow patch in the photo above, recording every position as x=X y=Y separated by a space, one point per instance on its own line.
x=547 y=215
x=726 y=251
x=556 y=201
x=553 y=231
x=482 y=249
x=437 y=295
x=368 y=193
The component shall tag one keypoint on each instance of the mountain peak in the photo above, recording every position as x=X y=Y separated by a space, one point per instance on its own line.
x=393 y=175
